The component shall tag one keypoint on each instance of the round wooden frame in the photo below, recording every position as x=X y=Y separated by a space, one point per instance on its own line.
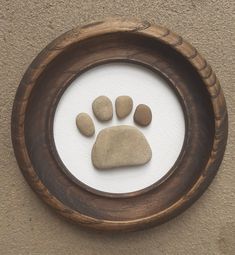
x=164 y=52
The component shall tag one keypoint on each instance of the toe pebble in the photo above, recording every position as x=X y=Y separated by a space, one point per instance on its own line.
x=102 y=108
x=85 y=124
x=143 y=115
x=124 y=105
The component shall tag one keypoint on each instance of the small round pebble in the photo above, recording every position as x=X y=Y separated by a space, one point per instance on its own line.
x=123 y=105
x=143 y=115
x=85 y=124
x=102 y=108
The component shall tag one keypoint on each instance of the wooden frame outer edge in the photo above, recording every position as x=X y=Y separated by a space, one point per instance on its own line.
x=165 y=36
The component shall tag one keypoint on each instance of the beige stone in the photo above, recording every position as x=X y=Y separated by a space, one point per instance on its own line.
x=123 y=105
x=120 y=146
x=143 y=115
x=85 y=124
x=102 y=108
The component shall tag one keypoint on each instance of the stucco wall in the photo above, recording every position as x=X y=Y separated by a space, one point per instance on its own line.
x=27 y=225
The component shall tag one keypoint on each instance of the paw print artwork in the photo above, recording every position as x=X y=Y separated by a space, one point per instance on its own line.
x=117 y=146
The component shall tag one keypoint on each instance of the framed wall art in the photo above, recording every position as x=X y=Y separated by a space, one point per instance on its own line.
x=119 y=125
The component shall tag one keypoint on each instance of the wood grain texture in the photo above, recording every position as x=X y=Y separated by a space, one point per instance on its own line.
x=164 y=52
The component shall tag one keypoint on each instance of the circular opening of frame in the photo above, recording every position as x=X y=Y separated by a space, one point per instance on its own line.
x=165 y=134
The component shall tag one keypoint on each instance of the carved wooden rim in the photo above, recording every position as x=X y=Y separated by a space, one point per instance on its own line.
x=122 y=220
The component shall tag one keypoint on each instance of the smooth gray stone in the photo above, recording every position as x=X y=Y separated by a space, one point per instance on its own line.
x=102 y=108
x=120 y=146
x=123 y=105
x=85 y=124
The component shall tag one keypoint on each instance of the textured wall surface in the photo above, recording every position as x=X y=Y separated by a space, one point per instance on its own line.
x=27 y=226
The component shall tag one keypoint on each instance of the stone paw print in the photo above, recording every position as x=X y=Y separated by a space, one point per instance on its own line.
x=117 y=146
